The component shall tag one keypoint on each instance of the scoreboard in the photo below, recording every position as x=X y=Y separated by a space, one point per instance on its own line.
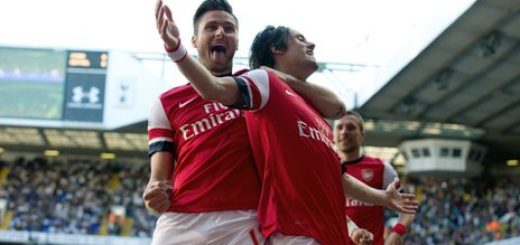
x=52 y=84
x=85 y=86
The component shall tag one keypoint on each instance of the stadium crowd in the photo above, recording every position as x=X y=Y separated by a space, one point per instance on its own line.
x=465 y=211
x=75 y=196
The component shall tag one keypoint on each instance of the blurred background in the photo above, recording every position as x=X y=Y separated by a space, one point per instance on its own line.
x=437 y=82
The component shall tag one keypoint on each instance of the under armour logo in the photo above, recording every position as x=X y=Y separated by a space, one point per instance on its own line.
x=78 y=94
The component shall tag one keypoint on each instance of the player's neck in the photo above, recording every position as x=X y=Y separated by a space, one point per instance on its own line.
x=221 y=73
x=350 y=156
x=296 y=72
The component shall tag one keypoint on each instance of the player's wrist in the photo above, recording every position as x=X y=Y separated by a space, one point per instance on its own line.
x=400 y=229
x=352 y=232
x=176 y=54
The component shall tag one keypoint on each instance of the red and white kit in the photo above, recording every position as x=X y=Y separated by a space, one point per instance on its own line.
x=377 y=174
x=302 y=193
x=214 y=169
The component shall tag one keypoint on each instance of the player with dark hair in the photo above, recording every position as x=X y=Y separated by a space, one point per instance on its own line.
x=203 y=147
x=302 y=197
x=203 y=179
x=349 y=135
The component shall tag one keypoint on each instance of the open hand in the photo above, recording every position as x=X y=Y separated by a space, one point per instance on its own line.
x=166 y=26
x=401 y=202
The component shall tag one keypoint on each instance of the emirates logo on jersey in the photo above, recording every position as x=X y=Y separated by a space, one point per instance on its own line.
x=367 y=174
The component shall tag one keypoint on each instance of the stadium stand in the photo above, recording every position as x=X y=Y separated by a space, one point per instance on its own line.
x=464 y=210
x=81 y=196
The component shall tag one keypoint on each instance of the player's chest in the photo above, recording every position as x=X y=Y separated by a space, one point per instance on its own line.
x=372 y=176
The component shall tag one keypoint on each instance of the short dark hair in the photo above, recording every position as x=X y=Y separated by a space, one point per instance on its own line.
x=358 y=117
x=211 y=5
x=261 y=54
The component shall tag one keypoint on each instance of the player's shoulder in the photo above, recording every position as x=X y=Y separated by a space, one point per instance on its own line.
x=256 y=74
x=372 y=159
x=178 y=93
x=379 y=162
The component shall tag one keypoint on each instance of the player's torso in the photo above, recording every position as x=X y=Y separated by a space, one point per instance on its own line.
x=368 y=216
x=287 y=121
x=300 y=171
x=212 y=151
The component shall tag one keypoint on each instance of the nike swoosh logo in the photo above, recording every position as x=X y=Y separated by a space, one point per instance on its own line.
x=185 y=103
x=289 y=92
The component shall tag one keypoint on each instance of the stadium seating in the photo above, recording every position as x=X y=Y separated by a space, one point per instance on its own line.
x=93 y=197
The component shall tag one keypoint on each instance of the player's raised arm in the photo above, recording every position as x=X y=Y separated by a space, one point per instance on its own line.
x=221 y=89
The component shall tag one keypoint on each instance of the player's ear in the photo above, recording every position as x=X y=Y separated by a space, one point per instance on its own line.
x=194 y=41
x=275 y=50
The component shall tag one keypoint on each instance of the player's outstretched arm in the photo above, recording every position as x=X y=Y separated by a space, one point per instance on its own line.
x=322 y=99
x=390 y=198
x=224 y=90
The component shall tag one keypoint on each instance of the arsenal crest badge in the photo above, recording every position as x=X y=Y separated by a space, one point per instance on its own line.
x=367 y=174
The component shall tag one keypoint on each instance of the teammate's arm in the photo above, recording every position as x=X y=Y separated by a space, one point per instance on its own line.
x=390 y=198
x=322 y=99
x=224 y=89
x=396 y=236
x=358 y=235
x=157 y=193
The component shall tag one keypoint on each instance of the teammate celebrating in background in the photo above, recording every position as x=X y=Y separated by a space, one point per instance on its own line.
x=348 y=137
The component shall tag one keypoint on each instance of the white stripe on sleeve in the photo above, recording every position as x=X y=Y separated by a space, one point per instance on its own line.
x=389 y=174
x=260 y=79
x=158 y=118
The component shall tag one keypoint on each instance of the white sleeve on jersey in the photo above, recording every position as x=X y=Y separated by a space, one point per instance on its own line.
x=389 y=174
x=158 y=120
x=258 y=80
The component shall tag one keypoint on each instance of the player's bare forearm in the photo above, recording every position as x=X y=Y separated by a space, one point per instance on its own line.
x=398 y=239
x=362 y=192
x=220 y=89
x=157 y=193
x=161 y=166
x=324 y=100
x=394 y=239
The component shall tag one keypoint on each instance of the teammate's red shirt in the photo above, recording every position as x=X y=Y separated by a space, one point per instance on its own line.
x=214 y=167
x=377 y=174
x=302 y=193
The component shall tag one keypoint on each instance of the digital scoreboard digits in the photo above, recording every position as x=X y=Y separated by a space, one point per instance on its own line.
x=87 y=59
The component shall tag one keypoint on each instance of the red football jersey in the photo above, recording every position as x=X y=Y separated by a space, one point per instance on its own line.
x=302 y=192
x=377 y=174
x=214 y=167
